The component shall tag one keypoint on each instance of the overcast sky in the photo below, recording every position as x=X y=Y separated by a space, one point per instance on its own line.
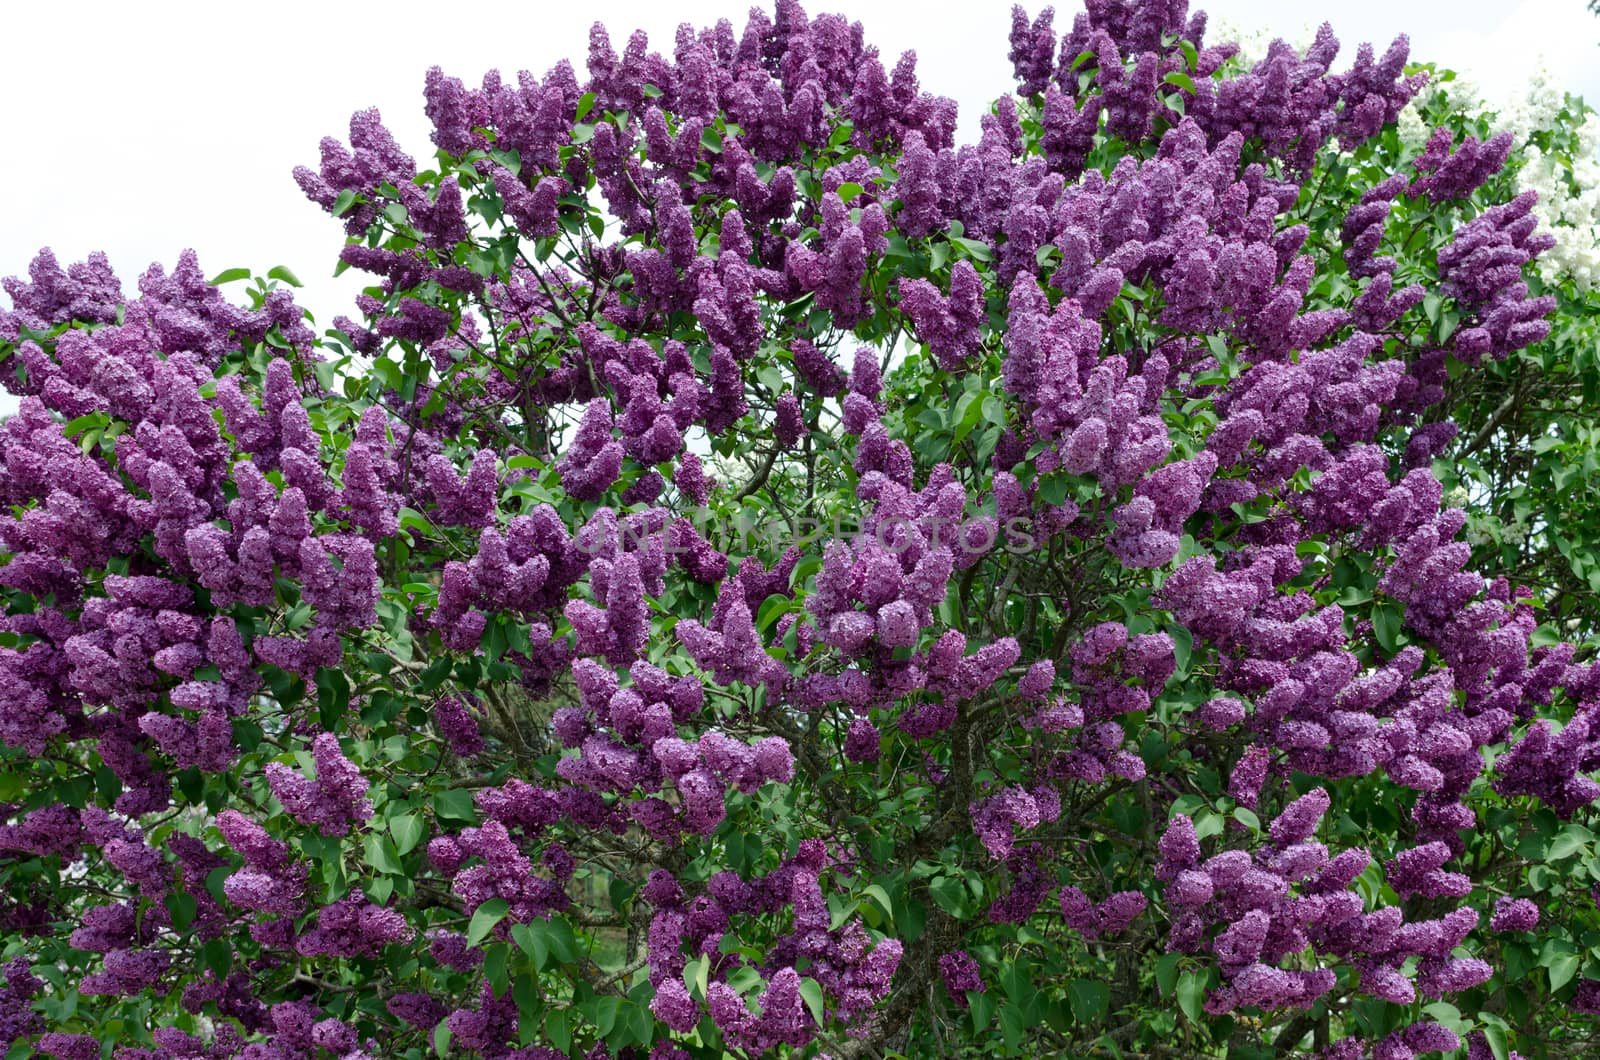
x=144 y=128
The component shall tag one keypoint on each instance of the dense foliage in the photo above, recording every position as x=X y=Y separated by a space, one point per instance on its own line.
x=756 y=578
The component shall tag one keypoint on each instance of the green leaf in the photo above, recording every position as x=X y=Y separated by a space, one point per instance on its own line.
x=455 y=805
x=1443 y=1012
x=948 y=893
x=558 y=1028
x=979 y=250
x=967 y=412
x=484 y=919
x=563 y=944
x=333 y=695
x=407 y=831
x=342 y=204
x=512 y=160
x=982 y=1006
x=525 y=991
x=743 y=980
x=879 y=895
x=281 y=272
x=230 y=275
x=381 y=854
x=218 y=956
x=1089 y=998
x=1247 y=818
x=605 y=1014
x=1561 y=969
x=441 y=1038
x=620 y=890
x=1013 y=1021
x=1496 y=1039
x=214 y=881
x=1219 y=349
x=898 y=248
x=697 y=975
x=811 y=993
x=182 y=907
x=1182 y=645
x=1568 y=842
x=432 y=677
x=530 y=940
x=1053 y=488
x=1386 y=620
x=994 y=410
x=638 y=1027
x=585 y=105
x=772 y=608
x=1167 y=973
x=1183 y=81
x=495 y=969
x=1192 y=995
x=83 y=423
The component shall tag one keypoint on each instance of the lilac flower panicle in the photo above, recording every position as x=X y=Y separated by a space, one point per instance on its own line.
x=960 y=974
x=335 y=800
x=1514 y=914
x=458 y=727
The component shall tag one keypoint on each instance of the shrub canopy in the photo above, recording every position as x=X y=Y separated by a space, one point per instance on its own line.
x=755 y=578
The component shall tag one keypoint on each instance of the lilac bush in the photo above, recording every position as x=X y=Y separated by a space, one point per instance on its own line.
x=754 y=577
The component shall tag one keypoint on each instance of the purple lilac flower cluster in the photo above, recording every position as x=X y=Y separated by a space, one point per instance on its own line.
x=853 y=970
x=335 y=801
x=1291 y=894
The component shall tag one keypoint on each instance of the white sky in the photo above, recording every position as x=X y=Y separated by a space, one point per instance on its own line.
x=141 y=129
